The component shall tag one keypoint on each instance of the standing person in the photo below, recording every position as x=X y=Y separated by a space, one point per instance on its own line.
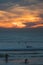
x=26 y=60
x=6 y=57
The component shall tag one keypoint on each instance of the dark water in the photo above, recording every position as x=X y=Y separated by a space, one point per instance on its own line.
x=22 y=39
x=18 y=38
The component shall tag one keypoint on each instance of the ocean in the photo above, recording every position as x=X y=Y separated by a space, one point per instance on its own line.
x=28 y=42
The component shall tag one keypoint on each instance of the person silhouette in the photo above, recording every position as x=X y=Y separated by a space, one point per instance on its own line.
x=26 y=60
x=6 y=57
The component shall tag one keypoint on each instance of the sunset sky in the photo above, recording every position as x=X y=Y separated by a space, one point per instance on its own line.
x=21 y=13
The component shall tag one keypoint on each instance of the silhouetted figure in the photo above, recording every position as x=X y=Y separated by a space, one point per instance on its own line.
x=6 y=58
x=26 y=60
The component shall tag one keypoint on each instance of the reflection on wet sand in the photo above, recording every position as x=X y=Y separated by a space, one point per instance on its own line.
x=21 y=62
x=26 y=57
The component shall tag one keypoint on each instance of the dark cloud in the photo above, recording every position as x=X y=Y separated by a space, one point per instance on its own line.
x=40 y=0
x=30 y=24
x=5 y=4
x=21 y=2
x=3 y=7
x=25 y=2
x=41 y=15
x=4 y=1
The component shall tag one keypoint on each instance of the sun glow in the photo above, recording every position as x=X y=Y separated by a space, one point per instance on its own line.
x=10 y=20
x=30 y=18
x=18 y=24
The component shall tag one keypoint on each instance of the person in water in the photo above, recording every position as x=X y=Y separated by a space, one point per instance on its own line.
x=6 y=57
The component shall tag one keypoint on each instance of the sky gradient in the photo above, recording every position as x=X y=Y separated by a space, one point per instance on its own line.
x=21 y=13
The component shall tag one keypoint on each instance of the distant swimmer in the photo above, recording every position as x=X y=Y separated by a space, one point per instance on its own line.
x=26 y=60
x=6 y=57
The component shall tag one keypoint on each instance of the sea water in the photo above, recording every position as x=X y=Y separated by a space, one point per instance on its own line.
x=21 y=39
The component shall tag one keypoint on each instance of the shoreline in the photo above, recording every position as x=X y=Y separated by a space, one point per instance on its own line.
x=32 y=49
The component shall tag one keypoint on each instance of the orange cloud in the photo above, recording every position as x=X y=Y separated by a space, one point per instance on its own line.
x=6 y=25
x=10 y=20
x=18 y=16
